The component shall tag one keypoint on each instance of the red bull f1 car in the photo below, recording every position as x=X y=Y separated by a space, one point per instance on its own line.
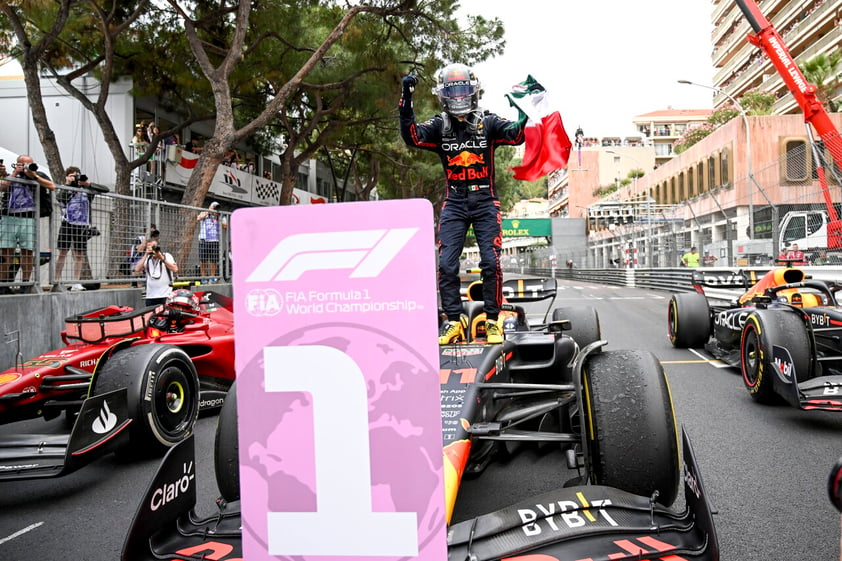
x=127 y=379
x=781 y=328
x=610 y=412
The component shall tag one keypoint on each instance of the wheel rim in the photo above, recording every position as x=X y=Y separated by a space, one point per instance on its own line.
x=671 y=320
x=172 y=412
x=751 y=356
x=174 y=397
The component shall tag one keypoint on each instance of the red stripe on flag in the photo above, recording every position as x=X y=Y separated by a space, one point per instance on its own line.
x=547 y=148
x=188 y=163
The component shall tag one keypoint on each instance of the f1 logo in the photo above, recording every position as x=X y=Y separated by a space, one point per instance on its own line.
x=366 y=252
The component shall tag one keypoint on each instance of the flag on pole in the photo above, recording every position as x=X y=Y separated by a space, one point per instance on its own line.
x=547 y=144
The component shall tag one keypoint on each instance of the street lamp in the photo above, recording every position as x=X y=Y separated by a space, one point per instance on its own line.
x=749 y=172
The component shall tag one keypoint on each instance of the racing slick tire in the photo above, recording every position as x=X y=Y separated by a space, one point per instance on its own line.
x=764 y=329
x=688 y=320
x=226 y=448
x=584 y=324
x=163 y=394
x=630 y=433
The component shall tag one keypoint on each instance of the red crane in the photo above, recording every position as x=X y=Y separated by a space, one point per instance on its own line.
x=769 y=40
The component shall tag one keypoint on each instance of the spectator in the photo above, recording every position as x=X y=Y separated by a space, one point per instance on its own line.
x=267 y=174
x=691 y=258
x=710 y=259
x=231 y=159
x=796 y=256
x=172 y=140
x=19 y=223
x=821 y=258
x=139 y=142
x=192 y=145
x=76 y=228
x=159 y=268
x=151 y=131
x=154 y=132
x=209 y=236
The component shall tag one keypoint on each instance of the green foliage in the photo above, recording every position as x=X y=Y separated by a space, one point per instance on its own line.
x=825 y=72
x=345 y=104
x=722 y=115
x=605 y=190
x=691 y=136
x=758 y=102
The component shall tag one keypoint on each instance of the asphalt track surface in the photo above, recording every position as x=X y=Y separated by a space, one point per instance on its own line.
x=765 y=468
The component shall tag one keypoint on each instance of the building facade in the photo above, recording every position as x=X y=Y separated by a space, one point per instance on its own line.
x=733 y=188
x=808 y=28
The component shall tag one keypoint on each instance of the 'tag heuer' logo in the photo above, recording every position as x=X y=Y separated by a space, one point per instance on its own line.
x=365 y=252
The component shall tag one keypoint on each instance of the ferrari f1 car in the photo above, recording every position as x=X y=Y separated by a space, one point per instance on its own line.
x=553 y=383
x=782 y=331
x=126 y=376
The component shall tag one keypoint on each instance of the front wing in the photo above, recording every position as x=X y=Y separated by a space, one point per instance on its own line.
x=100 y=427
x=584 y=523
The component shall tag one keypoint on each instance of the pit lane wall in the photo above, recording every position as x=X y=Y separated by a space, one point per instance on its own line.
x=35 y=321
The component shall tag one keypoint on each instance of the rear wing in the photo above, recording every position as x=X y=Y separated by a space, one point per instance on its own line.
x=519 y=290
x=724 y=284
x=94 y=326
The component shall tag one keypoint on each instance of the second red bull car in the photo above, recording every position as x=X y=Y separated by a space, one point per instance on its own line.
x=549 y=383
x=781 y=328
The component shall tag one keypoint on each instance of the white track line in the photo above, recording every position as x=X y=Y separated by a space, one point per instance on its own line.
x=712 y=361
x=20 y=532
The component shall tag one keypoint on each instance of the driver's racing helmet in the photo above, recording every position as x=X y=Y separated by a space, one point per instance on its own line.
x=457 y=89
x=183 y=300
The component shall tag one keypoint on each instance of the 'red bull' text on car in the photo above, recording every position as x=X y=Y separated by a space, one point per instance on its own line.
x=126 y=379
x=781 y=328
x=553 y=383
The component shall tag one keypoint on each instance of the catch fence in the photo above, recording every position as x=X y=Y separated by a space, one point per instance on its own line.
x=116 y=223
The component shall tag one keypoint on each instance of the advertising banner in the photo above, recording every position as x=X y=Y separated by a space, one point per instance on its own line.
x=233 y=183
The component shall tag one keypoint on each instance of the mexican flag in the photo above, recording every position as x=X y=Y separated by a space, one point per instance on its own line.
x=547 y=144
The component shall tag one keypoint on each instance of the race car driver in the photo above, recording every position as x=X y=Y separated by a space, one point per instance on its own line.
x=182 y=307
x=464 y=137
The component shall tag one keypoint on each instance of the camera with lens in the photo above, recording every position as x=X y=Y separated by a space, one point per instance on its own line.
x=79 y=178
x=156 y=248
x=32 y=167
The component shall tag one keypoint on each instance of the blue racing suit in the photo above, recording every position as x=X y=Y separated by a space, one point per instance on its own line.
x=466 y=149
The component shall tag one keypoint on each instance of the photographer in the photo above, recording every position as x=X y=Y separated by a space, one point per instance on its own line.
x=159 y=268
x=76 y=228
x=18 y=228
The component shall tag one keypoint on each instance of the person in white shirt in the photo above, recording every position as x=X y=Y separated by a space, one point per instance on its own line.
x=160 y=268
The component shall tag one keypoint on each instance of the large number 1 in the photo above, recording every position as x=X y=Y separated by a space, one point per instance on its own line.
x=343 y=523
